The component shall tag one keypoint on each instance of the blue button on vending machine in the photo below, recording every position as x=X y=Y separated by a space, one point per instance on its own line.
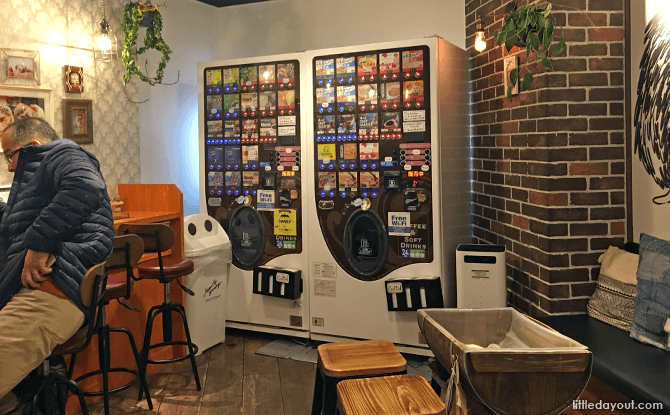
x=343 y=194
x=229 y=192
x=237 y=192
x=332 y=194
x=374 y=195
x=323 y=194
x=342 y=166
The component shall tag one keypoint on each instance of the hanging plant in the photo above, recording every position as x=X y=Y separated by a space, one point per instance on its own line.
x=529 y=27
x=132 y=16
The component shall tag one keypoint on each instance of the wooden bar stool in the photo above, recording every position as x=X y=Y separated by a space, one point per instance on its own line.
x=128 y=250
x=388 y=395
x=159 y=238
x=340 y=361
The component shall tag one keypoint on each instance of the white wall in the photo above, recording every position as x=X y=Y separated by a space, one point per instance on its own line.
x=648 y=217
x=168 y=120
x=199 y=33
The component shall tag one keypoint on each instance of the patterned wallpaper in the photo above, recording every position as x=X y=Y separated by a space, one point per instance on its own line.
x=63 y=34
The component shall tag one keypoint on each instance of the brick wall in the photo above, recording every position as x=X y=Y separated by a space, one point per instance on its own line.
x=549 y=167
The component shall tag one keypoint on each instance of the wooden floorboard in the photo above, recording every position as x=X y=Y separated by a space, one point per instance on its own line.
x=235 y=381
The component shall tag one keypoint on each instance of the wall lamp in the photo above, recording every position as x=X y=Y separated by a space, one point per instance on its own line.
x=480 y=40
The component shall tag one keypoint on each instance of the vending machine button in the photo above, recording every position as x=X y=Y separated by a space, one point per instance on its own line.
x=332 y=194
x=211 y=167
x=254 y=193
x=343 y=166
x=418 y=105
x=219 y=192
x=234 y=114
x=218 y=166
x=407 y=75
x=362 y=107
x=237 y=192
x=253 y=166
x=227 y=89
x=330 y=109
x=341 y=80
x=281 y=85
x=395 y=163
x=427 y=151
x=408 y=105
x=229 y=192
x=352 y=166
x=246 y=167
x=246 y=192
x=385 y=106
x=331 y=166
x=253 y=87
x=210 y=116
x=262 y=86
x=343 y=194
x=374 y=195
x=395 y=106
x=244 y=113
x=237 y=166
x=290 y=111
x=218 y=115
x=228 y=167
x=364 y=166
x=372 y=77
x=290 y=84
x=365 y=194
x=373 y=166
x=210 y=90
x=417 y=74
x=253 y=113
x=262 y=112
x=362 y=79
x=323 y=194
x=372 y=107
x=351 y=79
x=384 y=77
x=271 y=86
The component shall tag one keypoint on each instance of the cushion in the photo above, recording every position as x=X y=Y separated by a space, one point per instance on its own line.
x=613 y=301
x=652 y=304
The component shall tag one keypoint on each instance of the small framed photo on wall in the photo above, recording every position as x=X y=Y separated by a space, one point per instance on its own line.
x=78 y=120
x=19 y=67
x=74 y=79
x=511 y=63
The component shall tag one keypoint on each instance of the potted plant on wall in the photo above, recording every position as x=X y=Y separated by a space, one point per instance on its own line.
x=133 y=14
x=529 y=27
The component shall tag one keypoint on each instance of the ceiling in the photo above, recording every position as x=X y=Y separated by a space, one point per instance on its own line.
x=225 y=3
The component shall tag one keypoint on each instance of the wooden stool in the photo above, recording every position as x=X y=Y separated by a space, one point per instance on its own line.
x=397 y=395
x=340 y=361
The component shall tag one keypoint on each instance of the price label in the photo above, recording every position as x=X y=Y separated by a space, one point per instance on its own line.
x=394 y=287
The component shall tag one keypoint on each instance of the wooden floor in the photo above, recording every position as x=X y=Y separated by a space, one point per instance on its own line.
x=235 y=380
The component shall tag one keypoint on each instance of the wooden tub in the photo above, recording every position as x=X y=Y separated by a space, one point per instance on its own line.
x=530 y=369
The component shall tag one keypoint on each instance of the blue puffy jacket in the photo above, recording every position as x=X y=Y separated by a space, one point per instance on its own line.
x=59 y=204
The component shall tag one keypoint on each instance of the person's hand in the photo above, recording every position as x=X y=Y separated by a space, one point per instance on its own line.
x=34 y=269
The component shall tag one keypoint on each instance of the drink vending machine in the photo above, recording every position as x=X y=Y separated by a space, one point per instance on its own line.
x=389 y=186
x=252 y=139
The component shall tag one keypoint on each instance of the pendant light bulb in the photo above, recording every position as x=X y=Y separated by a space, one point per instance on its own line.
x=104 y=41
x=480 y=41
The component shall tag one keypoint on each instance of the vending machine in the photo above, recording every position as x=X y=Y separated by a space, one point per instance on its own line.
x=389 y=182
x=252 y=139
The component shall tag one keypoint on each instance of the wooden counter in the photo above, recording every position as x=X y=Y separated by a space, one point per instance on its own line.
x=145 y=203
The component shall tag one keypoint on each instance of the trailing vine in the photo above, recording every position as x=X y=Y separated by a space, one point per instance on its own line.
x=132 y=16
x=529 y=27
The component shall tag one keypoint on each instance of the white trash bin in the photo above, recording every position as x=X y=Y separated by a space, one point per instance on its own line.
x=208 y=246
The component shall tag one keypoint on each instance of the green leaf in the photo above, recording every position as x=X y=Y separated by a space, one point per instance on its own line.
x=548 y=10
x=560 y=48
x=514 y=75
x=527 y=81
x=547 y=64
x=527 y=49
x=509 y=44
x=509 y=93
x=534 y=40
x=548 y=34
x=501 y=38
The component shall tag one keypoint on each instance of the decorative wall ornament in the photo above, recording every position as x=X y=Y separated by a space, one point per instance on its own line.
x=20 y=102
x=74 y=79
x=652 y=118
x=78 y=120
x=19 y=67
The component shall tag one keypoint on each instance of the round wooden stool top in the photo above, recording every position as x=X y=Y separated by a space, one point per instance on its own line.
x=363 y=358
x=396 y=395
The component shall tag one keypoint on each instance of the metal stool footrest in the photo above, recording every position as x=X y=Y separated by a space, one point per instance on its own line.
x=125 y=386
x=176 y=359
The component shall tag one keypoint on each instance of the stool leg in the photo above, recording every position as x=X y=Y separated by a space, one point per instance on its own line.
x=144 y=354
x=167 y=316
x=103 y=356
x=329 y=395
x=180 y=309
x=317 y=399
x=143 y=379
x=76 y=389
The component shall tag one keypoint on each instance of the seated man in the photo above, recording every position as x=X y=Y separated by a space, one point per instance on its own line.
x=58 y=204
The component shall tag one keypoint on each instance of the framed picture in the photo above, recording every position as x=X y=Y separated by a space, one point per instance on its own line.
x=78 y=120
x=74 y=79
x=19 y=67
x=20 y=102
x=511 y=63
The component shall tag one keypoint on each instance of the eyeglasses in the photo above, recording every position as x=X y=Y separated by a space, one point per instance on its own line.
x=8 y=156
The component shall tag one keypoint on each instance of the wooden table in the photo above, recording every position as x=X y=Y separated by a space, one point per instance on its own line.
x=145 y=203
